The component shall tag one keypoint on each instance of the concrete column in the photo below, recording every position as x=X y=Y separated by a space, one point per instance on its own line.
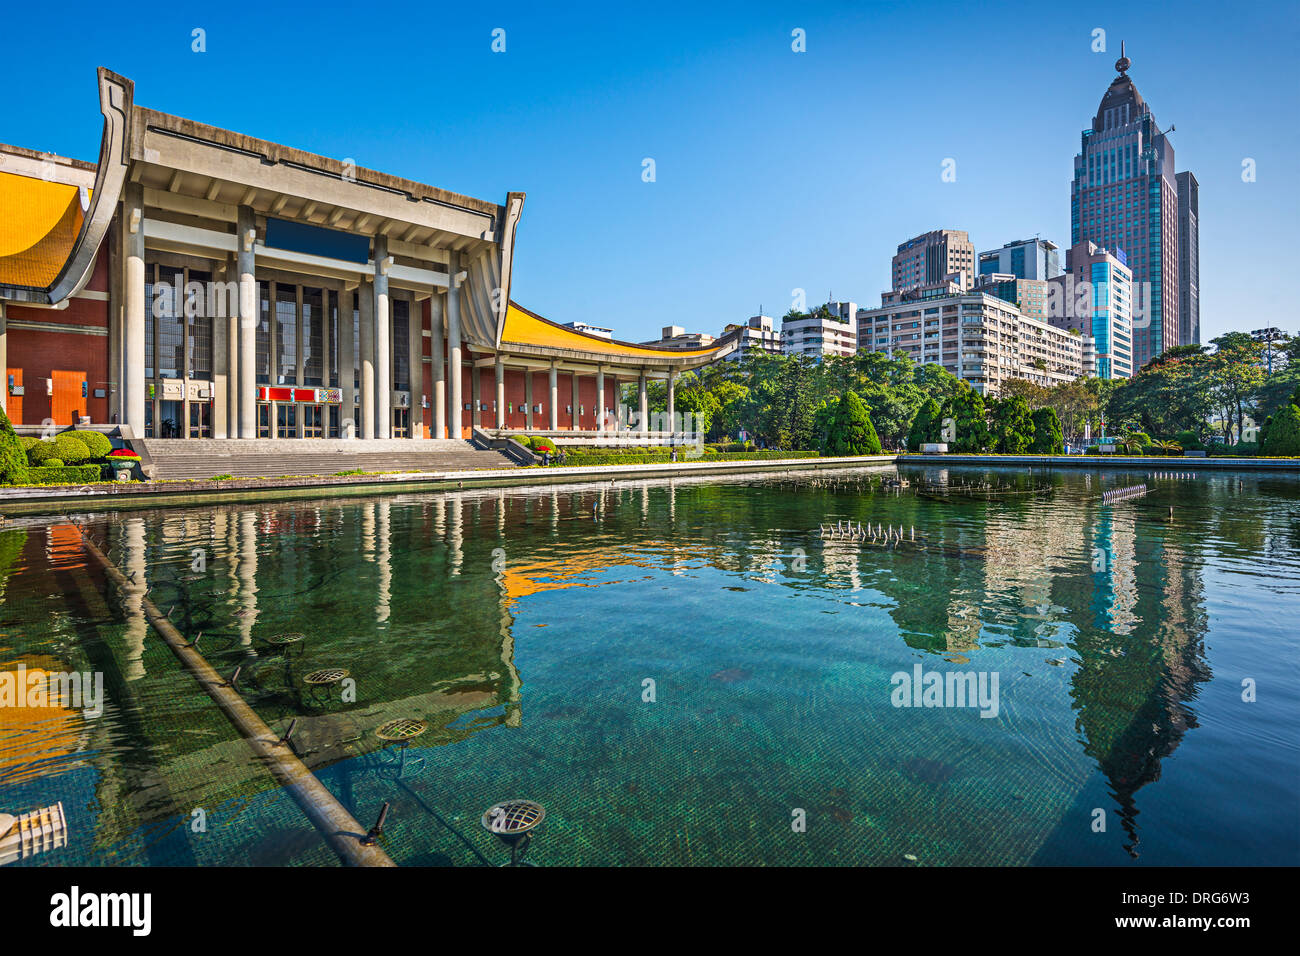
x=438 y=353
x=234 y=383
x=346 y=360
x=4 y=358
x=456 y=397
x=383 y=348
x=528 y=398
x=415 y=335
x=600 y=400
x=135 y=306
x=220 y=362
x=366 y=341
x=643 y=405
x=672 y=404
x=300 y=346
x=554 y=399
x=575 y=419
x=247 y=375
x=501 y=392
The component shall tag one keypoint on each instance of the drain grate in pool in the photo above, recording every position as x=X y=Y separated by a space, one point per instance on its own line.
x=402 y=729
x=325 y=676
x=513 y=817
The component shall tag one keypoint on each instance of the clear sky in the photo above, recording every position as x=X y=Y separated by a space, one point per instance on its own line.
x=775 y=170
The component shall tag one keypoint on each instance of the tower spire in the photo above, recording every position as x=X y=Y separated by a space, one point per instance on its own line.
x=1123 y=63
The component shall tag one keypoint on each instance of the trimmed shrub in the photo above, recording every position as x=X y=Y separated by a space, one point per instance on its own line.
x=42 y=450
x=71 y=449
x=1189 y=441
x=13 y=462
x=850 y=431
x=27 y=441
x=64 y=475
x=52 y=463
x=97 y=442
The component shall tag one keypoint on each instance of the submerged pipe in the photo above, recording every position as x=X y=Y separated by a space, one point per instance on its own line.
x=336 y=825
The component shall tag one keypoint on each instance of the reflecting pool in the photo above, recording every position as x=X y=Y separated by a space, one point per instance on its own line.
x=686 y=672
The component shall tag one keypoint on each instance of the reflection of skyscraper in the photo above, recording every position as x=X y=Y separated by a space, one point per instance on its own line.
x=1125 y=197
x=1140 y=657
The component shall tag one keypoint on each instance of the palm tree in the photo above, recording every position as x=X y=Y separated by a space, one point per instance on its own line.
x=1168 y=447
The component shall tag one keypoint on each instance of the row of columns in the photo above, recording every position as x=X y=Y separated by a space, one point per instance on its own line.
x=235 y=338
x=554 y=388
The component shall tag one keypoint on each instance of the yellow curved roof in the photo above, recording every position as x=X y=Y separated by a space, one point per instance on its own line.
x=525 y=328
x=41 y=223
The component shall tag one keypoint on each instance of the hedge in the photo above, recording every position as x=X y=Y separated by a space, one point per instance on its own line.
x=65 y=475
x=662 y=458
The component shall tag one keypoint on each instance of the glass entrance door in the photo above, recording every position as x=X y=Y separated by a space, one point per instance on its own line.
x=286 y=420
x=200 y=420
x=313 y=420
x=263 y=419
x=401 y=422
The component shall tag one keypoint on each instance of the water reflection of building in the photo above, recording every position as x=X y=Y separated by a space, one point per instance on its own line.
x=417 y=645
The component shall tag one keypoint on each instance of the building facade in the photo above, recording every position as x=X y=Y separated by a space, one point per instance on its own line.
x=1025 y=259
x=933 y=257
x=756 y=336
x=980 y=338
x=200 y=283
x=1095 y=298
x=1027 y=295
x=825 y=331
x=1124 y=197
x=1189 y=259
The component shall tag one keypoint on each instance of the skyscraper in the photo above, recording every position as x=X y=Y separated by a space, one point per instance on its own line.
x=1189 y=260
x=932 y=257
x=1125 y=198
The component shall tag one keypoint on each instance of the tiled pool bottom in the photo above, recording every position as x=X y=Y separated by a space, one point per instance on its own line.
x=524 y=628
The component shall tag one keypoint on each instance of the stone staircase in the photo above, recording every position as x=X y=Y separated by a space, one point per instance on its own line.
x=201 y=458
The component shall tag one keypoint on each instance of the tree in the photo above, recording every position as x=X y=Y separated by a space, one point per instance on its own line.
x=1283 y=438
x=927 y=425
x=13 y=459
x=968 y=415
x=1048 y=439
x=850 y=431
x=1013 y=426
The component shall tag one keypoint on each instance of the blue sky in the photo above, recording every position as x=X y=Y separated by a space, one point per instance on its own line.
x=775 y=170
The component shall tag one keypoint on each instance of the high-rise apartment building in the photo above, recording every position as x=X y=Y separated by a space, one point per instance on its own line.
x=827 y=330
x=1124 y=197
x=1024 y=259
x=1189 y=259
x=980 y=338
x=933 y=257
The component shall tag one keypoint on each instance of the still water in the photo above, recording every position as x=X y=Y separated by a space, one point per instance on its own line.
x=686 y=672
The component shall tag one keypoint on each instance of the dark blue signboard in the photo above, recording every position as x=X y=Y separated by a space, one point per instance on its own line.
x=316 y=241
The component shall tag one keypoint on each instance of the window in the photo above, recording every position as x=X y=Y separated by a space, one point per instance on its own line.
x=401 y=345
x=286 y=334
x=198 y=324
x=313 y=336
